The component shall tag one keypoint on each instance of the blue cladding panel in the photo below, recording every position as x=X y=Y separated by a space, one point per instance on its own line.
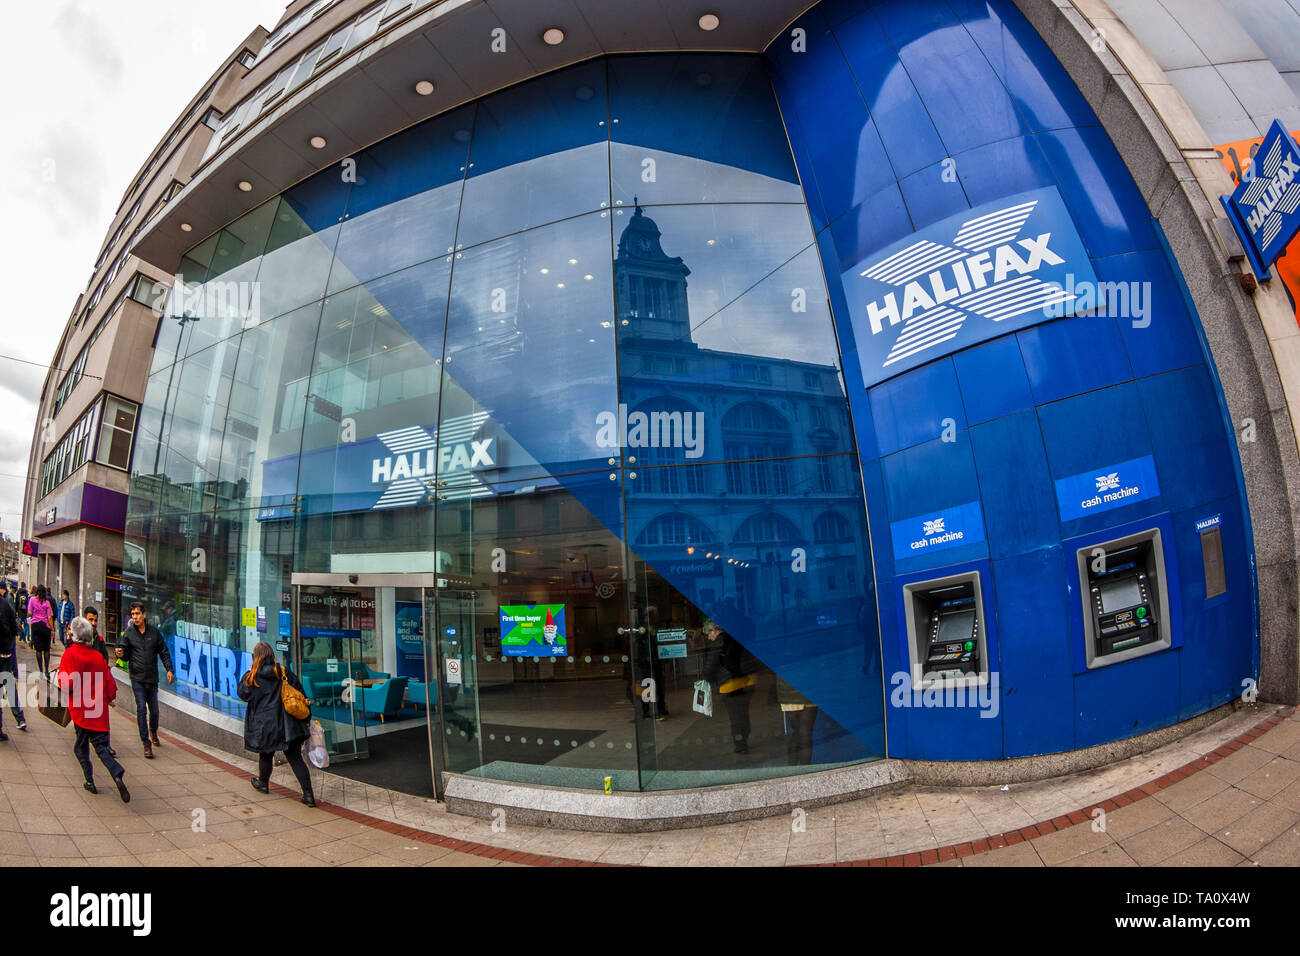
x=909 y=137
x=1073 y=355
x=985 y=170
x=916 y=407
x=1127 y=699
x=1020 y=510
x=848 y=160
x=1110 y=212
x=1196 y=463
x=1057 y=399
x=1044 y=95
x=993 y=379
x=1216 y=653
x=879 y=220
x=930 y=197
x=1035 y=641
x=1158 y=335
x=946 y=66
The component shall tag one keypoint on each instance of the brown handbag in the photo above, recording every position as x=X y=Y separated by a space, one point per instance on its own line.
x=295 y=702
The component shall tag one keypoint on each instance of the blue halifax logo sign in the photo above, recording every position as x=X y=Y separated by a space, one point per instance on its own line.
x=1107 y=487
x=937 y=531
x=999 y=267
x=1265 y=207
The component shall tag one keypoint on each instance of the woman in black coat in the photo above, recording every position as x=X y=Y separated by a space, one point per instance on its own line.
x=267 y=726
x=723 y=656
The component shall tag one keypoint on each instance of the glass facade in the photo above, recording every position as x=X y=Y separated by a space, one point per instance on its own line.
x=568 y=352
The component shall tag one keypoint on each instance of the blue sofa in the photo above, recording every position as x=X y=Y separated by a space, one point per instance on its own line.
x=383 y=699
x=323 y=687
x=418 y=691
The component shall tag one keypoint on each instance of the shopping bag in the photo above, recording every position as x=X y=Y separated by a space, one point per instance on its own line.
x=317 y=752
x=702 y=703
x=49 y=703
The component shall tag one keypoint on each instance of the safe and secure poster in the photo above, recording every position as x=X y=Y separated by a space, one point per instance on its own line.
x=533 y=630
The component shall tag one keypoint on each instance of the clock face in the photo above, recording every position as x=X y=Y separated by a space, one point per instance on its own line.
x=646 y=245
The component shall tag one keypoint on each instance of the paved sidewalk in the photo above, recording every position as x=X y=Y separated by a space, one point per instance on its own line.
x=1227 y=795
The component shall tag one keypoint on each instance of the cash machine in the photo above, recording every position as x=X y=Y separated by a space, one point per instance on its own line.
x=1125 y=598
x=946 y=631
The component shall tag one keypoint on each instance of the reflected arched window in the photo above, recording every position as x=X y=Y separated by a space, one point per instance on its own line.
x=675 y=529
x=753 y=430
x=831 y=526
x=767 y=528
x=676 y=427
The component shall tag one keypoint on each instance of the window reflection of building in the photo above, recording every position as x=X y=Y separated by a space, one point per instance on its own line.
x=775 y=488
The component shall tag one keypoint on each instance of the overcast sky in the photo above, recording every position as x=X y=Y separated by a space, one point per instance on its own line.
x=90 y=87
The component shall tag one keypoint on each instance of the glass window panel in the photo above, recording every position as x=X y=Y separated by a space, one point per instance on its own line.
x=539 y=154
x=376 y=368
x=364 y=29
x=301 y=243
x=259 y=457
x=530 y=342
x=803 y=638
x=405 y=203
x=562 y=720
x=694 y=128
x=731 y=296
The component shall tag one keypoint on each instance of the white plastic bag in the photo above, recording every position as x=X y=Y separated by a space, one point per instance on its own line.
x=316 y=751
x=702 y=703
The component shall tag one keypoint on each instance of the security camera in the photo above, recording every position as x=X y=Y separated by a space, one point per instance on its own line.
x=352 y=579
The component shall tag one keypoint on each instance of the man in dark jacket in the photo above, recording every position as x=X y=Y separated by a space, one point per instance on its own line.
x=140 y=646
x=97 y=640
x=20 y=608
x=9 y=631
x=64 y=613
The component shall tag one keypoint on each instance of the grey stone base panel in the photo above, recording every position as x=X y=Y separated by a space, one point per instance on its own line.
x=979 y=773
x=667 y=809
x=566 y=809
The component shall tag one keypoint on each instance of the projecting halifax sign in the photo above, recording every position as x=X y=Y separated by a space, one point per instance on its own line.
x=990 y=270
x=1265 y=207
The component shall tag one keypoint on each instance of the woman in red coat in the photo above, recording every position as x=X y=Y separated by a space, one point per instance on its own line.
x=89 y=689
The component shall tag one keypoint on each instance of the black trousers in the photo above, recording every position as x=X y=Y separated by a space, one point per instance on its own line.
x=41 y=645
x=737 y=704
x=99 y=740
x=293 y=754
x=10 y=685
x=798 y=744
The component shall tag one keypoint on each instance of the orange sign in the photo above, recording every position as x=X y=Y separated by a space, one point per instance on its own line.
x=1236 y=157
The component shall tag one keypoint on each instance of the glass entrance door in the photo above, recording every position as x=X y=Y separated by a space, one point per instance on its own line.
x=453 y=668
x=336 y=654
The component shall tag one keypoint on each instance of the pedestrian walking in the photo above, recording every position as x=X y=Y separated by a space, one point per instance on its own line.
x=66 y=612
x=99 y=644
x=9 y=633
x=40 y=615
x=268 y=727
x=20 y=608
x=89 y=690
x=141 y=646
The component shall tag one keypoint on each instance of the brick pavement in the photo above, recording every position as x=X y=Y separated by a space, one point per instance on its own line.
x=1226 y=795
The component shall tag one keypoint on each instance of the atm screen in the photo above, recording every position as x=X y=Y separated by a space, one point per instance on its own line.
x=956 y=627
x=1117 y=595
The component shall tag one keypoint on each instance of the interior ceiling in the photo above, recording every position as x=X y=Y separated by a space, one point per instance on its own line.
x=371 y=94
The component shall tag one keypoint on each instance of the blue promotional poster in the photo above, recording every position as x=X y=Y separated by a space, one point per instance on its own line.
x=533 y=630
x=410 y=639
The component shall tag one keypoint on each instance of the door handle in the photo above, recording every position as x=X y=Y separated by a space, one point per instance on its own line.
x=631 y=630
